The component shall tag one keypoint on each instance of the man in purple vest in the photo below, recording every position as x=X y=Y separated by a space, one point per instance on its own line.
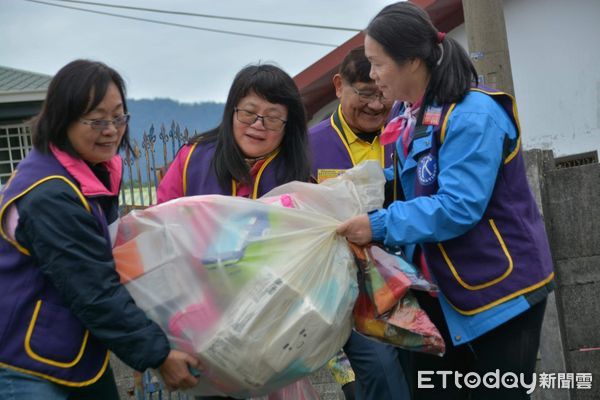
x=338 y=143
x=351 y=134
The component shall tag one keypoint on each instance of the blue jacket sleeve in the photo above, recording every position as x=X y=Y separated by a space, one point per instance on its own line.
x=469 y=161
x=66 y=242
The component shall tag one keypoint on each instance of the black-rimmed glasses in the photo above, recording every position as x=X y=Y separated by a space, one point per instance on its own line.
x=102 y=124
x=249 y=117
x=368 y=96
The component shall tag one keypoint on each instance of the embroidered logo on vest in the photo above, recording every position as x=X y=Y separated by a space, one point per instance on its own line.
x=427 y=170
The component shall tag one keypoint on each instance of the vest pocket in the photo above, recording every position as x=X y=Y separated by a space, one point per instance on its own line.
x=55 y=336
x=485 y=259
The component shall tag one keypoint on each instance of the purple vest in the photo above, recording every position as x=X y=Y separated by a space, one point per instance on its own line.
x=38 y=333
x=328 y=148
x=507 y=253
x=200 y=177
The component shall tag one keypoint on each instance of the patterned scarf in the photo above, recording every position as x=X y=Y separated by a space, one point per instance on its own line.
x=402 y=126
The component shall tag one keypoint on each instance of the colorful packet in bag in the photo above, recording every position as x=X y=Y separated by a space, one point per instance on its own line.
x=404 y=324
x=340 y=369
x=385 y=259
x=388 y=277
x=384 y=283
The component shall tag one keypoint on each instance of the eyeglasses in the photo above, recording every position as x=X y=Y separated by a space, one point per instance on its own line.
x=102 y=124
x=249 y=117
x=367 y=97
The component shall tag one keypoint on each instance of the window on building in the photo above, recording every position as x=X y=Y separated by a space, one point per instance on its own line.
x=15 y=143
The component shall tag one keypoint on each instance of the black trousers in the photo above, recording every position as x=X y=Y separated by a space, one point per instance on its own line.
x=511 y=347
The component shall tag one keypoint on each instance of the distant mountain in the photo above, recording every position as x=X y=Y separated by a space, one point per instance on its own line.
x=147 y=113
x=194 y=116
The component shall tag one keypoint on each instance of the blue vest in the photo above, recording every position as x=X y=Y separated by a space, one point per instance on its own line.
x=199 y=176
x=38 y=333
x=506 y=254
x=329 y=148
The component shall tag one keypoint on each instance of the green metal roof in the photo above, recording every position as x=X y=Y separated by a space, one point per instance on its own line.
x=18 y=86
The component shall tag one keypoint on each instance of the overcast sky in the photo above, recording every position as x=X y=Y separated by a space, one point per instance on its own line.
x=166 y=61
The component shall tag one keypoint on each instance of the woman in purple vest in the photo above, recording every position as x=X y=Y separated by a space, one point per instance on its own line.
x=261 y=142
x=62 y=306
x=465 y=213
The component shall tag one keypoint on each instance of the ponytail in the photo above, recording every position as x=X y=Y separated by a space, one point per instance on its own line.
x=406 y=33
x=452 y=73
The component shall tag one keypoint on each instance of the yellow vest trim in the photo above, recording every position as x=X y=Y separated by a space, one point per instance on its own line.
x=445 y=123
x=260 y=171
x=44 y=360
x=347 y=128
x=505 y=298
x=486 y=284
x=516 y=114
x=30 y=329
x=342 y=137
x=35 y=184
x=233 y=183
x=62 y=381
x=514 y=153
x=185 y=167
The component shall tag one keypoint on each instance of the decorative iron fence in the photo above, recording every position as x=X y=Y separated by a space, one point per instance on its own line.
x=144 y=166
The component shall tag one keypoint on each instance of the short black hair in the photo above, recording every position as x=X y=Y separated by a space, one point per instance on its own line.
x=74 y=91
x=355 y=67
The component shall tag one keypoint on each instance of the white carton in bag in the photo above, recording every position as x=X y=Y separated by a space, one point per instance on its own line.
x=245 y=351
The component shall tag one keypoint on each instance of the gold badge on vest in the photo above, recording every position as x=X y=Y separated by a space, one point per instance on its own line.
x=324 y=174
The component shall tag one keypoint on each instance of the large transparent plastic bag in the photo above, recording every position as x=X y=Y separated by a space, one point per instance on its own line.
x=261 y=291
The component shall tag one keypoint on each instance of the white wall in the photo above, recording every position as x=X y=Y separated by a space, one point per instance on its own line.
x=555 y=58
x=324 y=112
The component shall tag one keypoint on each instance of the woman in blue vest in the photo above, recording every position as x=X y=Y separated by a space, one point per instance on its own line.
x=466 y=214
x=261 y=142
x=62 y=305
